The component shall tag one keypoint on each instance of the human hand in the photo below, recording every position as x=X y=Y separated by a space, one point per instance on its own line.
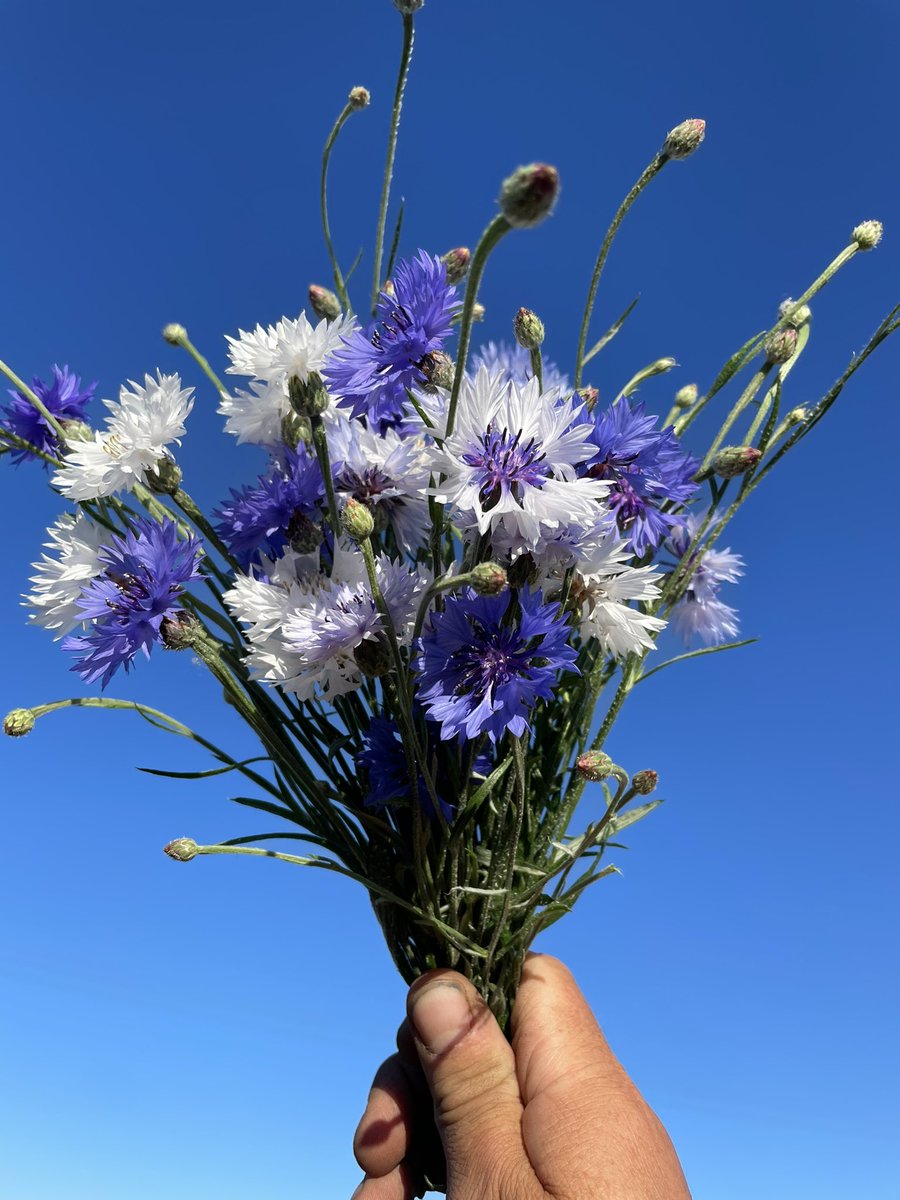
x=553 y=1115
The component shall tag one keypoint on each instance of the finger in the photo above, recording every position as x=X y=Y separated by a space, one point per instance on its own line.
x=397 y=1185
x=385 y=1131
x=471 y=1073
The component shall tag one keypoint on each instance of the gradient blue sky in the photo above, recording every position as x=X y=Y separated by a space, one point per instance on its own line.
x=210 y=1030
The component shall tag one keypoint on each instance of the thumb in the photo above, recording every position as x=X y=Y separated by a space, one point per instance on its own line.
x=470 y=1070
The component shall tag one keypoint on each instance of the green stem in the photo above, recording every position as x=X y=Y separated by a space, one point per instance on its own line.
x=649 y=173
x=203 y=364
x=36 y=401
x=339 y=282
x=741 y=403
x=537 y=366
x=320 y=442
x=405 y=56
x=183 y=501
x=13 y=439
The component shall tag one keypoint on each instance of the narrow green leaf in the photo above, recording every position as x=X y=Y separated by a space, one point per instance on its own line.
x=734 y=364
x=629 y=816
x=695 y=654
x=235 y=766
x=481 y=793
x=610 y=333
x=395 y=242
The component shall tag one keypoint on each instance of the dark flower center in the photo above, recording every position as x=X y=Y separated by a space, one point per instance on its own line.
x=504 y=463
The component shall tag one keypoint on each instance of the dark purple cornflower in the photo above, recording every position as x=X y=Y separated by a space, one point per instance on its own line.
x=260 y=518
x=373 y=371
x=64 y=398
x=485 y=661
x=646 y=467
x=141 y=581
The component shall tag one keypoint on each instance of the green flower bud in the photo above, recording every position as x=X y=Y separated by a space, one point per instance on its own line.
x=528 y=195
x=373 y=657
x=359 y=98
x=18 y=722
x=323 y=302
x=868 y=234
x=684 y=138
x=488 y=579
x=182 y=849
x=735 y=460
x=357 y=521
x=77 y=431
x=686 y=396
x=175 y=334
x=309 y=398
x=644 y=782
x=594 y=765
x=780 y=346
x=438 y=369
x=528 y=329
x=164 y=478
x=457 y=263
x=304 y=534
x=295 y=429
x=180 y=631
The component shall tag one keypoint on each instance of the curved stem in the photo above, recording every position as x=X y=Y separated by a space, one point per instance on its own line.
x=36 y=401
x=339 y=282
x=405 y=56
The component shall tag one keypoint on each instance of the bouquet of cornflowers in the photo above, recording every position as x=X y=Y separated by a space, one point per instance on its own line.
x=433 y=604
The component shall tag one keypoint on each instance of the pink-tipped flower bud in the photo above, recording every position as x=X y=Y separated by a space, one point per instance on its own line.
x=18 y=722
x=438 y=369
x=684 y=138
x=780 y=346
x=357 y=520
x=175 y=334
x=359 y=98
x=324 y=302
x=182 y=849
x=594 y=765
x=732 y=461
x=528 y=329
x=644 y=782
x=180 y=631
x=528 y=195
x=589 y=395
x=868 y=234
x=488 y=579
x=457 y=262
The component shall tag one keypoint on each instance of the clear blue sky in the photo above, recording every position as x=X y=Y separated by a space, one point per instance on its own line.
x=211 y=1030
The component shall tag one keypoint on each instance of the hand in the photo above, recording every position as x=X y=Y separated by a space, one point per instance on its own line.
x=551 y=1117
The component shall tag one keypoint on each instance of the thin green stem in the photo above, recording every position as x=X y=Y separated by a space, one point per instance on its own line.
x=320 y=443
x=537 y=366
x=203 y=364
x=339 y=282
x=19 y=443
x=741 y=403
x=405 y=56
x=183 y=501
x=36 y=401
x=649 y=173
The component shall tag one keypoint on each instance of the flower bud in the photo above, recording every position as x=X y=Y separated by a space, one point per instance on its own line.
x=18 y=722
x=684 y=138
x=77 y=431
x=164 y=478
x=797 y=415
x=310 y=398
x=478 y=311
x=589 y=395
x=488 y=579
x=357 y=521
x=528 y=195
x=438 y=369
x=686 y=396
x=373 y=657
x=780 y=346
x=868 y=234
x=359 y=98
x=594 y=765
x=528 y=329
x=644 y=782
x=735 y=460
x=182 y=849
x=180 y=631
x=408 y=6
x=303 y=533
x=175 y=334
x=457 y=263
x=793 y=315
x=295 y=429
x=324 y=302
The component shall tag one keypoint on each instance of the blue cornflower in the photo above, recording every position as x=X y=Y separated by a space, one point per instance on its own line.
x=141 y=579
x=513 y=364
x=373 y=371
x=258 y=518
x=700 y=612
x=646 y=467
x=64 y=398
x=483 y=665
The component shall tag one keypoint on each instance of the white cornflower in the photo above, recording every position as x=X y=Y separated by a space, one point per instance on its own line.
x=256 y=416
x=289 y=348
x=141 y=425
x=511 y=460
x=75 y=543
x=604 y=587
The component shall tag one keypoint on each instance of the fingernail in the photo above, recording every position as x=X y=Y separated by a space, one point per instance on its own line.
x=441 y=1015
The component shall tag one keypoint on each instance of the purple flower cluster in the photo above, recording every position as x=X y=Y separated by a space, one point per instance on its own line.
x=64 y=398
x=142 y=577
x=258 y=518
x=646 y=467
x=485 y=661
x=372 y=373
x=700 y=612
